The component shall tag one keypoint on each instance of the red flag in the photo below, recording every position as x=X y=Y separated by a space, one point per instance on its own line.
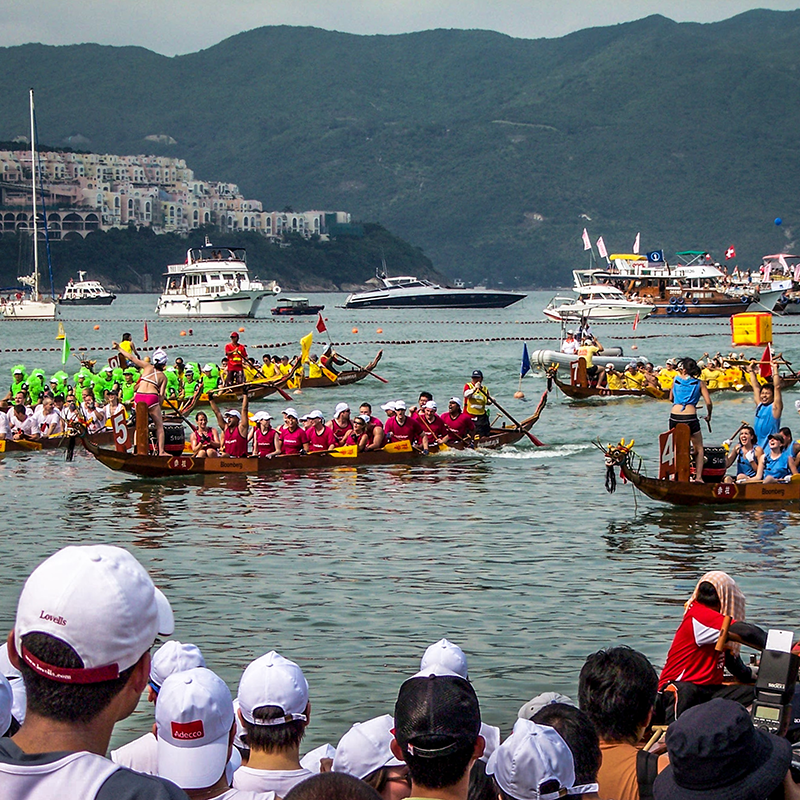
x=321 y=323
x=730 y=253
x=766 y=367
x=145 y=337
x=636 y=321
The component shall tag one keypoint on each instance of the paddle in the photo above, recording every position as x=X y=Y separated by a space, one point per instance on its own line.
x=500 y=408
x=27 y=444
x=369 y=371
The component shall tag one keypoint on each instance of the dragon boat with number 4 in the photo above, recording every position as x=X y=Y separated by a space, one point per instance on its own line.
x=580 y=388
x=674 y=485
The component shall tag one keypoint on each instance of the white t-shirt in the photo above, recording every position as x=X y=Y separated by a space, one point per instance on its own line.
x=140 y=755
x=238 y=794
x=44 y=421
x=570 y=346
x=5 y=431
x=27 y=426
x=279 y=781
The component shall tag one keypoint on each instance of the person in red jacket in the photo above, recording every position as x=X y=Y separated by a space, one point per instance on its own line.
x=235 y=358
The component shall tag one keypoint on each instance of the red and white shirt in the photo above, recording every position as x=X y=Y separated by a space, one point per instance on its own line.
x=692 y=656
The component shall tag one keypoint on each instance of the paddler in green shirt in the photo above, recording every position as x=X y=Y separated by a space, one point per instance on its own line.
x=190 y=380
x=173 y=383
x=36 y=385
x=128 y=386
x=18 y=380
x=102 y=383
x=210 y=379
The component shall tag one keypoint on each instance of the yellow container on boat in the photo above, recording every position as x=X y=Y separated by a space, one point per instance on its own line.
x=751 y=329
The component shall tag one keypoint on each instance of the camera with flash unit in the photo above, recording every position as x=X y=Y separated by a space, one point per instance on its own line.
x=775 y=684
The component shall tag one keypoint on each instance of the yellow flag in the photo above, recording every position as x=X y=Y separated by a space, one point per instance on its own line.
x=305 y=344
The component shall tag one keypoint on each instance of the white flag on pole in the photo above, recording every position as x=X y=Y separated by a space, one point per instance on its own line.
x=636 y=243
x=587 y=245
x=601 y=248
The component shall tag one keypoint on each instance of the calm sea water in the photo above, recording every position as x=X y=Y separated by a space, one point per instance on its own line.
x=521 y=556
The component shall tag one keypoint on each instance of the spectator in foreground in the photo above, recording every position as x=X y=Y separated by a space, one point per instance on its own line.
x=86 y=620
x=617 y=690
x=332 y=786
x=437 y=733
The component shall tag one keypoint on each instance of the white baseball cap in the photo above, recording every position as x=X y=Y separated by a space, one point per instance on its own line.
x=456 y=400
x=159 y=357
x=259 y=415
x=366 y=747
x=313 y=758
x=232 y=412
x=390 y=406
x=208 y=368
x=194 y=717
x=536 y=704
x=399 y=404
x=340 y=408
x=6 y=703
x=290 y=412
x=532 y=756
x=447 y=655
x=431 y=404
x=315 y=414
x=100 y=601
x=173 y=656
x=273 y=680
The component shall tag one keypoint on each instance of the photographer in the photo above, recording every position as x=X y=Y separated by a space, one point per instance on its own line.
x=694 y=667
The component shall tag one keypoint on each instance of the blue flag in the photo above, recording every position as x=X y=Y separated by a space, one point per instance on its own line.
x=526 y=362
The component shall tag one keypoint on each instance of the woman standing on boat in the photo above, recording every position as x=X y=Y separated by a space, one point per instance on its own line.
x=687 y=389
x=746 y=455
x=151 y=389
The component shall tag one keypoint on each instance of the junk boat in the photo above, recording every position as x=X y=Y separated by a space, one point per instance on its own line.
x=85 y=293
x=212 y=282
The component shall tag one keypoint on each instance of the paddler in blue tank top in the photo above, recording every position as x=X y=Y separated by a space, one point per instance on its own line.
x=776 y=464
x=687 y=390
x=769 y=404
x=746 y=454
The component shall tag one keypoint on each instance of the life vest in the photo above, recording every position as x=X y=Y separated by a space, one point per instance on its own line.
x=476 y=403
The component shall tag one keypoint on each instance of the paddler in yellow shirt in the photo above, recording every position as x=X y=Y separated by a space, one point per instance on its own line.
x=667 y=375
x=314 y=369
x=634 y=377
x=269 y=370
x=711 y=374
x=614 y=379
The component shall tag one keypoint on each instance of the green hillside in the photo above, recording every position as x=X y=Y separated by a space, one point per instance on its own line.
x=489 y=153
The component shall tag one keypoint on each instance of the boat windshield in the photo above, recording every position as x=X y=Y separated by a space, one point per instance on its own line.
x=217 y=254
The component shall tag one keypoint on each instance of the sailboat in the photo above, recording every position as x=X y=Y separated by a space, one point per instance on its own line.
x=31 y=305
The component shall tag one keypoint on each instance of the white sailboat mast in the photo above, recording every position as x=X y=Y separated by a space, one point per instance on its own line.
x=33 y=193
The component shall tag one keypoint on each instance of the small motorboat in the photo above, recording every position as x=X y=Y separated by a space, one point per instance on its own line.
x=85 y=293
x=596 y=302
x=294 y=306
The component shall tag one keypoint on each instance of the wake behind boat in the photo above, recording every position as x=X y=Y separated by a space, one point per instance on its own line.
x=406 y=291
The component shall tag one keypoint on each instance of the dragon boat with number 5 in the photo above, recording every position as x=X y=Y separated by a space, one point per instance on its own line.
x=674 y=485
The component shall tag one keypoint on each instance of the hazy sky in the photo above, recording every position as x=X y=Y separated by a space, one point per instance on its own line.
x=185 y=26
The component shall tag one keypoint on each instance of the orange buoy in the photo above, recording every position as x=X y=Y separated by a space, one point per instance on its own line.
x=519 y=395
x=634 y=347
x=380 y=330
x=241 y=330
x=183 y=333
x=355 y=330
x=97 y=327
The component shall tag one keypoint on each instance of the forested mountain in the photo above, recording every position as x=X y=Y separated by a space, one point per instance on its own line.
x=489 y=153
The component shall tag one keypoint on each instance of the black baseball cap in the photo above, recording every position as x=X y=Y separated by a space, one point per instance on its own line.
x=477 y=374
x=436 y=715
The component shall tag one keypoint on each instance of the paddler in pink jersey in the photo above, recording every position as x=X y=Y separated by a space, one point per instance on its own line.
x=293 y=440
x=235 y=427
x=459 y=424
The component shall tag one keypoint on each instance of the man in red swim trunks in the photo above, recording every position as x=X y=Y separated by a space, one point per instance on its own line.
x=235 y=358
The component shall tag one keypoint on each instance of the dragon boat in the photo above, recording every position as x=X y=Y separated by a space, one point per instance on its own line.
x=674 y=485
x=344 y=378
x=51 y=442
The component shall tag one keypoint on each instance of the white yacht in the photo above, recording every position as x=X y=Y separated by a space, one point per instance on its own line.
x=212 y=282
x=85 y=293
x=30 y=304
x=406 y=291
x=596 y=302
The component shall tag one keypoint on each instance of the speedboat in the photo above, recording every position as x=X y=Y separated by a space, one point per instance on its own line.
x=85 y=293
x=294 y=306
x=596 y=302
x=406 y=291
x=212 y=282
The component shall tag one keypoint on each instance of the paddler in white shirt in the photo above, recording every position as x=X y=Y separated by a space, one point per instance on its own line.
x=570 y=344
